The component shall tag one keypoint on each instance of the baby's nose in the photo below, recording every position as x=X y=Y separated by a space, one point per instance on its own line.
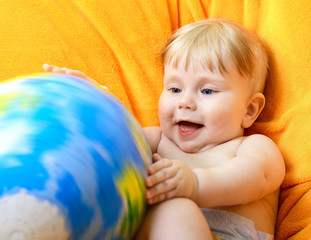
x=187 y=102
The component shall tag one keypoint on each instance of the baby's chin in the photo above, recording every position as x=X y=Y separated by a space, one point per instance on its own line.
x=190 y=147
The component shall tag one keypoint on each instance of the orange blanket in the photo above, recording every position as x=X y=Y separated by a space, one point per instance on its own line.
x=118 y=43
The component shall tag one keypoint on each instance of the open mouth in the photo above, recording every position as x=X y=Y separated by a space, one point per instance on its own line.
x=187 y=128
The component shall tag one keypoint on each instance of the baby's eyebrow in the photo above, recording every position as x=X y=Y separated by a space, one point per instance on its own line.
x=213 y=79
x=171 y=78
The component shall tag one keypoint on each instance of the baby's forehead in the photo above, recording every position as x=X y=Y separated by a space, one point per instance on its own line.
x=201 y=76
x=194 y=64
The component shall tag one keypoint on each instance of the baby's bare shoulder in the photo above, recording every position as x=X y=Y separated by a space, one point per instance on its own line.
x=257 y=142
x=261 y=146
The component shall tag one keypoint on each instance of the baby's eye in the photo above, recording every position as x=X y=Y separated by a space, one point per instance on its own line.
x=207 y=91
x=174 y=90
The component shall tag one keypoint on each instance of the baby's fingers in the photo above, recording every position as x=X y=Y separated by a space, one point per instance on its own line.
x=48 y=67
x=161 y=192
x=55 y=69
x=77 y=74
x=159 y=165
x=72 y=72
x=160 y=176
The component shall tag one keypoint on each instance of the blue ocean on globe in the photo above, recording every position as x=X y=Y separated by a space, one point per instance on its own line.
x=72 y=161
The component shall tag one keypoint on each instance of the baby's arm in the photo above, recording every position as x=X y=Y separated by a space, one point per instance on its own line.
x=167 y=178
x=257 y=170
x=153 y=135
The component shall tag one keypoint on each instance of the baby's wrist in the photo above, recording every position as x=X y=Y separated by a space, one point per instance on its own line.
x=195 y=184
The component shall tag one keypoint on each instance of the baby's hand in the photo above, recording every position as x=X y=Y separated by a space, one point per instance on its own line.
x=169 y=178
x=67 y=71
x=55 y=69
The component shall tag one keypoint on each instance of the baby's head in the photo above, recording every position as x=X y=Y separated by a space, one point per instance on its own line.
x=210 y=42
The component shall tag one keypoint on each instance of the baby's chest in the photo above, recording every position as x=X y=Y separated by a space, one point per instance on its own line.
x=209 y=158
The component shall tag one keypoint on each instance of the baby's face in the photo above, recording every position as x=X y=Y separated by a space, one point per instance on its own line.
x=200 y=109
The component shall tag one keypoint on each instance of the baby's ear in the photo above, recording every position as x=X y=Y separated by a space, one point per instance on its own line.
x=254 y=108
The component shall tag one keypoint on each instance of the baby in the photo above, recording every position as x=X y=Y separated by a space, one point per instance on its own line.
x=208 y=180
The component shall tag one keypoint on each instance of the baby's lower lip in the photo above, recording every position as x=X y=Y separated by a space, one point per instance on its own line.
x=188 y=128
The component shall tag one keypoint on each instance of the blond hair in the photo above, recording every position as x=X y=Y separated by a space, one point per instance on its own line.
x=200 y=42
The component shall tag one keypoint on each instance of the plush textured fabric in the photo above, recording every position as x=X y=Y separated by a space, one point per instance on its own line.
x=118 y=43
